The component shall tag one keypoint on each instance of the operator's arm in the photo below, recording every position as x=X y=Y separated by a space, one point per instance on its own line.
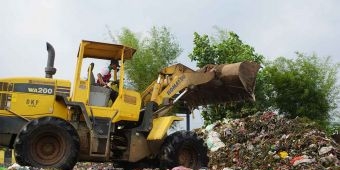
x=103 y=72
x=100 y=79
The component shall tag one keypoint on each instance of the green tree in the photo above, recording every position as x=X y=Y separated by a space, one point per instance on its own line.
x=226 y=47
x=157 y=50
x=304 y=87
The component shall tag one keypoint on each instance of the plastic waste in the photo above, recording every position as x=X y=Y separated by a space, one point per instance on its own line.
x=301 y=159
x=181 y=168
x=16 y=166
x=214 y=142
x=227 y=169
x=325 y=150
x=283 y=154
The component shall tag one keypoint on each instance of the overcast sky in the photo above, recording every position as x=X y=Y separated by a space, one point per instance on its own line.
x=273 y=28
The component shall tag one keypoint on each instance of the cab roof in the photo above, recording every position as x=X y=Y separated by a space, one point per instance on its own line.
x=106 y=51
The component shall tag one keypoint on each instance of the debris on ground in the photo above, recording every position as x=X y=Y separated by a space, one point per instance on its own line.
x=180 y=168
x=94 y=166
x=261 y=141
x=270 y=141
x=16 y=166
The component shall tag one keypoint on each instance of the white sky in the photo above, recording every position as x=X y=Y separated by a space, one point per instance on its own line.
x=274 y=28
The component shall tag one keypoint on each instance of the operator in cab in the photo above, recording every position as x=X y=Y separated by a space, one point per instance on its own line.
x=103 y=78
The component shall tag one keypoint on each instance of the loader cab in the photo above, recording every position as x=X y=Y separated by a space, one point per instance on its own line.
x=99 y=95
x=96 y=97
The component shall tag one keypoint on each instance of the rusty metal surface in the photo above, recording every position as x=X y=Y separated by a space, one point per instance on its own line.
x=138 y=147
x=232 y=82
x=84 y=136
x=48 y=147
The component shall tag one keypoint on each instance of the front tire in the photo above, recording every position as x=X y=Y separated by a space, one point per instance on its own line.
x=48 y=142
x=183 y=148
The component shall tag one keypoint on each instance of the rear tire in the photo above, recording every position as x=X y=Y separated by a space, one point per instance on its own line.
x=142 y=164
x=183 y=148
x=47 y=142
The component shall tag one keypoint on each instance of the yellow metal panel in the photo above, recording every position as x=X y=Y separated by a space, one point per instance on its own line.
x=61 y=111
x=97 y=111
x=64 y=83
x=128 y=105
x=161 y=126
x=81 y=92
x=28 y=104
x=13 y=157
x=63 y=87
x=2 y=157
x=32 y=80
x=33 y=97
x=106 y=51
x=121 y=82
x=78 y=85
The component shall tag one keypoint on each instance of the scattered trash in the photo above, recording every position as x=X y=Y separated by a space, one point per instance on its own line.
x=95 y=166
x=301 y=159
x=227 y=169
x=214 y=142
x=181 y=168
x=325 y=150
x=78 y=166
x=16 y=166
x=262 y=141
x=270 y=141
x=283 y=154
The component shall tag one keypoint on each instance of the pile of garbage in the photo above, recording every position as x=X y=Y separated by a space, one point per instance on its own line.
x=269 y=141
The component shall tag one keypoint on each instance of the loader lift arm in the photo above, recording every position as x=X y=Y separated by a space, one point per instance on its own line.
x=210 y=85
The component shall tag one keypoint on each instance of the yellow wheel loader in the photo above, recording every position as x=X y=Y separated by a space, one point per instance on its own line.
x=49 y=125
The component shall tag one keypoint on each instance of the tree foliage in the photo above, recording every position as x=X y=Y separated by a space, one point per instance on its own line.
x=156 y=50
x=226 y=47
x=304 y=87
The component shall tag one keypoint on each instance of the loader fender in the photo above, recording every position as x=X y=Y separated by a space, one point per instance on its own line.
x=161 y=126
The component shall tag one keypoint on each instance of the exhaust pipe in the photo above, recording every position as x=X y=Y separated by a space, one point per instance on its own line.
x=49 y=69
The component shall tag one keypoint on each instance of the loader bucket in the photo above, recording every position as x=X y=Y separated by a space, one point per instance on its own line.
x=232 y=82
